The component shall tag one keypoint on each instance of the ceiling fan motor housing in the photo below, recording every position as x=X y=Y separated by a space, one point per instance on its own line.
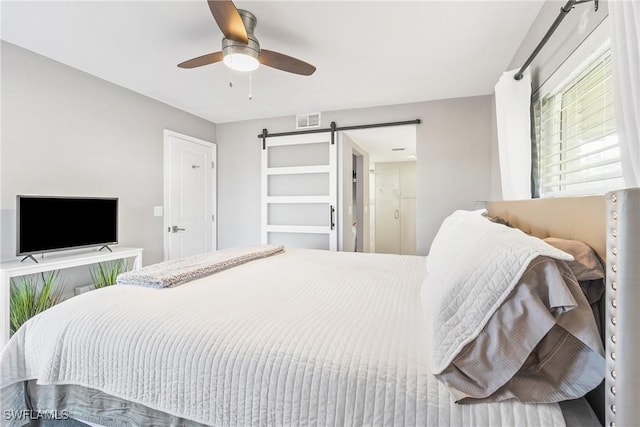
x=252 y=48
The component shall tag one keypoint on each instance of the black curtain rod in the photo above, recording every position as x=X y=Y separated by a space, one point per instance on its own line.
x=334 y=128
x=563 y=12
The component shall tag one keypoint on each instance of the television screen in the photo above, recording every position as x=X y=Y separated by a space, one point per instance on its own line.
x=52 y=223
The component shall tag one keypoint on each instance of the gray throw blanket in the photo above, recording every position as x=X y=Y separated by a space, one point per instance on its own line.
x=176 y=272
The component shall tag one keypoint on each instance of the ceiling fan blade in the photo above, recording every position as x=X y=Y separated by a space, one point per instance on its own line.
x=229 y=20
x=207 y=59
x=285 y=63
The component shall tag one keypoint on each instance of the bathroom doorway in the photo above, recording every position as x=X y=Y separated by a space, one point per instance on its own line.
x=384 y=217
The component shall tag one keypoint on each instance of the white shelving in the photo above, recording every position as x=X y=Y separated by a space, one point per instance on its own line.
x=54 y=261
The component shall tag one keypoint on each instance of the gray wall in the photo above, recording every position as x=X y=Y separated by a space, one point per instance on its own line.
x=453 y=163
x=65 y=132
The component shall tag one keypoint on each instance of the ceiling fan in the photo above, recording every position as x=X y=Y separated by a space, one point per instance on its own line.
x=240 y=48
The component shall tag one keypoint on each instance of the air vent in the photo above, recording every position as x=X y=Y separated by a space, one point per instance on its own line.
x=306 y=121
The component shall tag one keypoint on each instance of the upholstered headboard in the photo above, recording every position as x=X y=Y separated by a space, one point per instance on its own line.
x=610 y=224
x=576 y=218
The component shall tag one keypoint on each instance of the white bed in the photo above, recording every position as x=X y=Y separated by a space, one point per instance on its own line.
x=301 y=338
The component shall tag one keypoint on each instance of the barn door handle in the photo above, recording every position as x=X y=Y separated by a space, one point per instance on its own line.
x=331 y=219
x=175 y=229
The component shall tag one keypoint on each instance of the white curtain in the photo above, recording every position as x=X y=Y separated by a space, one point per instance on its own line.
x=513 y=103
x=624 y=25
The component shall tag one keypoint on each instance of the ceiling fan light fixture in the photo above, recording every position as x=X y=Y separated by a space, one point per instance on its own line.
x=240 y=57
x=241 y=62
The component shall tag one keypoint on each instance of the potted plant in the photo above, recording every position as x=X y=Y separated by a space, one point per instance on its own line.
x=106 y=273
x=28 y=298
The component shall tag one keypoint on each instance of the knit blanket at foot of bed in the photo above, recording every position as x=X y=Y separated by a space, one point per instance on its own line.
x=176 y=272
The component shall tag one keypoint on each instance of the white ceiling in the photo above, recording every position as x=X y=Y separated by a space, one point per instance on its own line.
x=387 y=144
x=367 y=53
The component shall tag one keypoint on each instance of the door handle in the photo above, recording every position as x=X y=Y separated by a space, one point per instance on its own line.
x=175 y=229
x=396 y=214
x=331 y=220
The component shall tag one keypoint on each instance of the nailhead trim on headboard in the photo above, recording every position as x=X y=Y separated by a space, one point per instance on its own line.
x=611 y=293
x=622 y=302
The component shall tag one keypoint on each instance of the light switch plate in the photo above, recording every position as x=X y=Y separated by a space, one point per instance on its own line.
x=158 y=211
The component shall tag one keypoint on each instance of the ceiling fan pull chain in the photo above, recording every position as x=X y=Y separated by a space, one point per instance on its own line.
x=231 y=76
x=250 y=86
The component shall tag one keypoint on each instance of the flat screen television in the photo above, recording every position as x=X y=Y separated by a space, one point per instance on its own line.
x=56 y=223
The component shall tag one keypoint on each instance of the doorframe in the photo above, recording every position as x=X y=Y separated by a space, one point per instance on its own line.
x=360 y=145
x=166 y=205
x=345 y=159
x=362 y=227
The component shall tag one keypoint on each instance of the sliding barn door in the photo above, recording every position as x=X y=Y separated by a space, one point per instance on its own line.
x=299 y=191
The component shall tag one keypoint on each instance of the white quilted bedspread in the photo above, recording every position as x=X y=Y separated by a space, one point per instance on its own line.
x=303 y=338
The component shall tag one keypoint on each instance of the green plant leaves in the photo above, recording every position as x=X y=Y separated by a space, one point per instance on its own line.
x=106 y=273
x=29 y=298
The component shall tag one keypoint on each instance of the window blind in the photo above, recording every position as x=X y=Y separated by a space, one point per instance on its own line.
x=575 y=129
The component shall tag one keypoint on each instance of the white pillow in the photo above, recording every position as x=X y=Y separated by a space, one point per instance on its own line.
x=473 y=267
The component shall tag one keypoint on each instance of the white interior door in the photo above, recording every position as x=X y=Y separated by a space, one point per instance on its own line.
x=190 y=196
x=387 y=184
x=395 y=207
x=299 y=191
x=408 y=224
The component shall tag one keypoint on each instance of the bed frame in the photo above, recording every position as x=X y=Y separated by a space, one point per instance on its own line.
x=610 y=224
